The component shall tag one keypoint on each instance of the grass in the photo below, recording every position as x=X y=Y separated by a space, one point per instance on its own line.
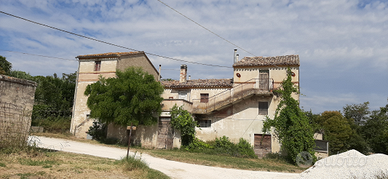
x=226 y=161
x=256 y=164
x=40 y=163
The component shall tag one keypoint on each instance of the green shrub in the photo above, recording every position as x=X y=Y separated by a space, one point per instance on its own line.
x=245 y=149
x=133 y=163
x=54 y=124
x=222 y=146
x=98 y=131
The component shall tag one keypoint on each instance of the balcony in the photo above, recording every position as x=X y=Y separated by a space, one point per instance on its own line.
x=167 y=104
x=239 y=92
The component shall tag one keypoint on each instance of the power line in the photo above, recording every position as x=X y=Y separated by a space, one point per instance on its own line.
x=205 y=28
x=112 y=44
x=38 y=55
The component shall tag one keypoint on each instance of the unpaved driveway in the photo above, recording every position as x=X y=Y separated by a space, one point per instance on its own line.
x=171 y=168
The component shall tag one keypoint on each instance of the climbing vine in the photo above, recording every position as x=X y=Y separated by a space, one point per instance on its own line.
x=183 y=121
x=291 y=124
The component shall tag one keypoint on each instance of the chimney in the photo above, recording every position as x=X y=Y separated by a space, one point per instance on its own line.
x=160 y=67
x=234 y=56
x=183 y=74
x=189 y=77
x=237 y=55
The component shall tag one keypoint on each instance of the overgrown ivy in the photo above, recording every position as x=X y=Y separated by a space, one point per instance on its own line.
x=183 y=121
x=291 y=124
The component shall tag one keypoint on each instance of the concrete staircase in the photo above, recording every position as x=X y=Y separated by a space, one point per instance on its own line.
x=238 y=93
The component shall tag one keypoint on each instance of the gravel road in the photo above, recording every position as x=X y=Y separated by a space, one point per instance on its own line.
x=171 y=168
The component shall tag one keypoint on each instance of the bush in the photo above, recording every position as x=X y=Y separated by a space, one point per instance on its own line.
x=54 y=124
x=245 y=149
x=222 y=146
x=133 y=163
x=98 y=131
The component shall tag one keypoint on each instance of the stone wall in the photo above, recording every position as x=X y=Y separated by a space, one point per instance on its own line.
x=16 y=103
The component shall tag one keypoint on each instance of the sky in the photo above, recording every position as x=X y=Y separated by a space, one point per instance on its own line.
x=342 y=44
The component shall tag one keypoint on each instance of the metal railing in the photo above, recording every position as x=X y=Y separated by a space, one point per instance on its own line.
x=238 y=92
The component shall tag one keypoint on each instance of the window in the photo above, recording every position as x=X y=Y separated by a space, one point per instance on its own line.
x=204 y=97
x=263 y=108
x=204 y=123
x=97 y=66
x=170 y=97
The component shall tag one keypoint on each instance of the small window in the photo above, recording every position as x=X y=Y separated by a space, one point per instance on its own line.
x=170 y=97
x=204 y=123
x=204 y=97
x=97 y=66
x=263 y=108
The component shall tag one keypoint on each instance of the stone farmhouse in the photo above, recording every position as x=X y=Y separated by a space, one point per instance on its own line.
x=90 y=68
x=234 y=107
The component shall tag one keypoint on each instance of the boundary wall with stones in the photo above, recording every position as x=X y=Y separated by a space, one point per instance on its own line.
x=16 y=104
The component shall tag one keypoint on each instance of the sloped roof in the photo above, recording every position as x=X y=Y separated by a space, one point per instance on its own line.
x=199 y=83
x=109 y=54
x=288 y=60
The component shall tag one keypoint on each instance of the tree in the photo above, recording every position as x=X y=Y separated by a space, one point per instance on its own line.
x=21 y=75
x=132 y=98
x=336 y=129
x=5 y=66
x=375 y=130
x=183 y=121
x=291 y=125
x=358 y=112
x=54 y=96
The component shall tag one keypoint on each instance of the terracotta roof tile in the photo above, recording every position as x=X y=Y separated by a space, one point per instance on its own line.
x=269 y=61
x=199 y=83
x=110 y=54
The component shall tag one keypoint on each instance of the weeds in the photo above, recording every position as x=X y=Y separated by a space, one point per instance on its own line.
x=133 y=163
x=222 y=146
x=31 y=162
x=53 y=124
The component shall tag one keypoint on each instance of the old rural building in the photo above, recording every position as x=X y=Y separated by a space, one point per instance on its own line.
x=90 y=68
x=16 y=103
x=235 y=107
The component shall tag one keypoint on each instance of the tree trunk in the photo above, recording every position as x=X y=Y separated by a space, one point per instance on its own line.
x=129 y=140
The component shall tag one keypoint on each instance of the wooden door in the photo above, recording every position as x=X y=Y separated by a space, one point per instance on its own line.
x=262 y=147
x=264 y=80
x=165 y=134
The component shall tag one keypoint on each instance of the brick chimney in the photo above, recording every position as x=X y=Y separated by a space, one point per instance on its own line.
x=183 y=74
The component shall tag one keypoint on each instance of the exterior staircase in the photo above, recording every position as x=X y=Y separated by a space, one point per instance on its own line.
x=254 y=86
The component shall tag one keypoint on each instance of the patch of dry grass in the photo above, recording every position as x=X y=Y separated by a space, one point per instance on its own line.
x=226 y=161
x=205 y=159
x=45 y=164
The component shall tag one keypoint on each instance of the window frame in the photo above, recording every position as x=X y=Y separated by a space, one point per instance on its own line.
x=204 y=97
x=204 y=123
x=263 y=110
x=97 y=65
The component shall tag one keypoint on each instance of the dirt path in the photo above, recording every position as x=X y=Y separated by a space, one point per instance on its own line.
x=173 y=169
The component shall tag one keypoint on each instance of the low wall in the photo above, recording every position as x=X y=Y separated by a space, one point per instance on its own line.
x=16 y=103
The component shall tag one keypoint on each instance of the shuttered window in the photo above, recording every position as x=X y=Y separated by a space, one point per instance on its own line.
x=204 y=97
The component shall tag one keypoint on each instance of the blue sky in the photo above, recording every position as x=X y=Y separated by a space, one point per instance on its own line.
x=342 y=44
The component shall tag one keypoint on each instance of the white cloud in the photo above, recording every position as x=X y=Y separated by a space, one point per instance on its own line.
x=333 y=36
